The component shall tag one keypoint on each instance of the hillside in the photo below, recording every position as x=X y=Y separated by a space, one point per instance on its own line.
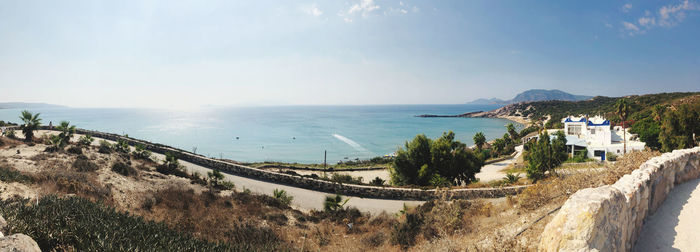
x=535 y=95
x=639 y=105
x=27 y=105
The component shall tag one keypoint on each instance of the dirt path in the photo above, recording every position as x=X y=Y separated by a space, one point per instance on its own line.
x=675 y=225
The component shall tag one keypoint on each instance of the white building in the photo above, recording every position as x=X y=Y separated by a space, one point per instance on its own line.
x=595 y=135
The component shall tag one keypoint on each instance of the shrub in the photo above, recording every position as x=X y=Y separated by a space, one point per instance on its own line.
x=140 y=152
x=423 y=158
x=545 y=155
x=282 y=196
x=11 y=134
x=9 y=174
x=345 y=179
x=611 y=156
x=377 y=181
x=404 y=233
x=225 y=185
x=122 y=146
x=83 y=164
x=512 y=178
x=75 y=150
x=171 y=166
x=105 y=147
x=81 y=225
x=374 y=240
x=85 y=140
x=334 y=204
x=123 y=169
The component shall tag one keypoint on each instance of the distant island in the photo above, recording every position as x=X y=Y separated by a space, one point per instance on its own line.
x=535 y=95
x=27 y=105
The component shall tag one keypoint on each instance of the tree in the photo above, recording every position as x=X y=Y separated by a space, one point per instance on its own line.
x=498 y=146
x=424 y=159
x=679 y=128
x=31 y=123
x=545 y=155
x=67 y=132
x=479 y=140
x=622 y=108
x=512 y=132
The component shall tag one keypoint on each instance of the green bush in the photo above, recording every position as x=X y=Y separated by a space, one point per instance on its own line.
x=75 y=150
x=345 y=179
x=545 y=155
x=83 y=164
x=105 y=147
x=334 y=203
x=423 y=158
x=85 y=140
x=75 y=223
x=140 y=152
x=10 y=134
x=611 y=156
x=282 y=196
x=511 y=178
x=171 y=166
x=377 y=181
x=122 y=146
x=124 y=169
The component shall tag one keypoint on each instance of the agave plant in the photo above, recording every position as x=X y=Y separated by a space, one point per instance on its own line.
x=31 y=123
x=511 y=178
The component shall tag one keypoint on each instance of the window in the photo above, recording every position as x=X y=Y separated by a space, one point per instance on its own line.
x=574 y=130
x=593 y=131
x=618 y=151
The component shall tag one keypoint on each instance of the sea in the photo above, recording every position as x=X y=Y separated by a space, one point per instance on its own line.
x=301 y=134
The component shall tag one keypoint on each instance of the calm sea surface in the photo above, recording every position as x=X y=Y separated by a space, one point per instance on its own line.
x=289 y=133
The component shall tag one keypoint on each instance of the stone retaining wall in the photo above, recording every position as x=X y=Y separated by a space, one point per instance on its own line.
x=363 y=191
x=609 y=218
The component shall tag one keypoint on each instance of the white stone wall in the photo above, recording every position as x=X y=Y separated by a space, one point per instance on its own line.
x=609 y=218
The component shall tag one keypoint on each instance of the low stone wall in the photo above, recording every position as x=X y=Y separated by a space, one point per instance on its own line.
x=609 y=218
x=363 y=191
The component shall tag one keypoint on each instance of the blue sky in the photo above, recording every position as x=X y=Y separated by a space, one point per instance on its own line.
x=191 y=53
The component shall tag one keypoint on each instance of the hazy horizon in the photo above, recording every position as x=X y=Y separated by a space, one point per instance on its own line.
x=181 y=54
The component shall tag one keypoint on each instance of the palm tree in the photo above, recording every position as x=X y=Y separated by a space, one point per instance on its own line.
x=67 y=132
x=622 y=107
x=479 y=140
x=31 y=123
x=511 y=130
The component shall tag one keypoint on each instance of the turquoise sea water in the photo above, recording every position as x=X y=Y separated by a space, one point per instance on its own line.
x=289 y=133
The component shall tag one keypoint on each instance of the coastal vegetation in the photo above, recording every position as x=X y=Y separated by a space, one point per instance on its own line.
x=31 y=123
x=545 y=154
x=439 y=162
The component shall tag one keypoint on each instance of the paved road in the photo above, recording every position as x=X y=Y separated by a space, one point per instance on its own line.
x=491 y=172
x=304 y=198
x=676 y=225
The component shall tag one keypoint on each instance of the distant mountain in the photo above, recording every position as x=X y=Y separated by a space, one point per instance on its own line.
x=535 y=95
x=27 y=105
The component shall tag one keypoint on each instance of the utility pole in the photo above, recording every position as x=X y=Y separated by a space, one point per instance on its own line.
x=324 y=158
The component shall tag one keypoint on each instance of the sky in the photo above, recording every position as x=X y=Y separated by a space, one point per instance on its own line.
x=179 y=54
